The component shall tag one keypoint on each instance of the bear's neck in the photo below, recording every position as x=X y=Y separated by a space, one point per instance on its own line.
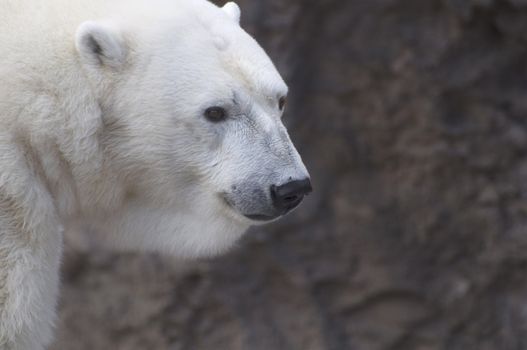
x=48 y=110
x=58 y=124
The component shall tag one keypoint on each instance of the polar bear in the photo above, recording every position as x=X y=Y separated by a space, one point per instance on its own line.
x=156 y=123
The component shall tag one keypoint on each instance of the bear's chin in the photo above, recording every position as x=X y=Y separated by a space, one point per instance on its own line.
x=194 y=234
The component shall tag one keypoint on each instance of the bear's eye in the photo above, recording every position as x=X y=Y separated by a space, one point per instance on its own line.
x=282 y=102
x=216 y=114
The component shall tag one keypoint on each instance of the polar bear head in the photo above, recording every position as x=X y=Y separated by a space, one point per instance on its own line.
x=192 y=107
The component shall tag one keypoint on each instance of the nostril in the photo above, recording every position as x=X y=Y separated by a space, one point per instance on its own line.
x=289 y=195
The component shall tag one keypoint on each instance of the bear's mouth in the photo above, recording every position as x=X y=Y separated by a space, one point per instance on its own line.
x=253 y=217
x=227 y=201
x=259 y=217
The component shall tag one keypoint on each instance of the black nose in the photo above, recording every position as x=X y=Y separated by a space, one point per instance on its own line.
x=288 y=196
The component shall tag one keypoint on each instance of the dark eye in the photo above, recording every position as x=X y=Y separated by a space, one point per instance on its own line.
x=282 y=102
x=216 y=114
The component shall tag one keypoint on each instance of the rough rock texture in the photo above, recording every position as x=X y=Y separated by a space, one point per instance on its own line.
x=411 y=116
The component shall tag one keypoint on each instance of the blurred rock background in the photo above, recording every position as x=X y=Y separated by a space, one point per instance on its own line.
x=412 y=118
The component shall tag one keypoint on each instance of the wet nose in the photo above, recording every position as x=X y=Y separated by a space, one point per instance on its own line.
x=289 y=195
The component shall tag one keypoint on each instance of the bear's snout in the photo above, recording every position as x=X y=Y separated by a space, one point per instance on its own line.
x=258 y=204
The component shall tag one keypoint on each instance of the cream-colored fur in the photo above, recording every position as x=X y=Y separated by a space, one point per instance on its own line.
x=101 y=127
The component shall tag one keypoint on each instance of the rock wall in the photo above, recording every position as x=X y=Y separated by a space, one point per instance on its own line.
x=411 y=116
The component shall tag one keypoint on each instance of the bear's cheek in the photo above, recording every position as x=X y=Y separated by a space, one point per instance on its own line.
x=201 y=133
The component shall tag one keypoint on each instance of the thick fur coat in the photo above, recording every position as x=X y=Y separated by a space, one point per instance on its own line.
x=156 y=124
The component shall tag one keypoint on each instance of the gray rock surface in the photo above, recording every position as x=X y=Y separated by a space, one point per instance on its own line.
x=411 y=116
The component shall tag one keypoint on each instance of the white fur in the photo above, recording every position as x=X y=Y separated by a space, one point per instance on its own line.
x=101 y=126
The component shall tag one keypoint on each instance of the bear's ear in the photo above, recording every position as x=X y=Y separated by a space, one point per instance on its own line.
x=99 y=43
x=233 y=10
